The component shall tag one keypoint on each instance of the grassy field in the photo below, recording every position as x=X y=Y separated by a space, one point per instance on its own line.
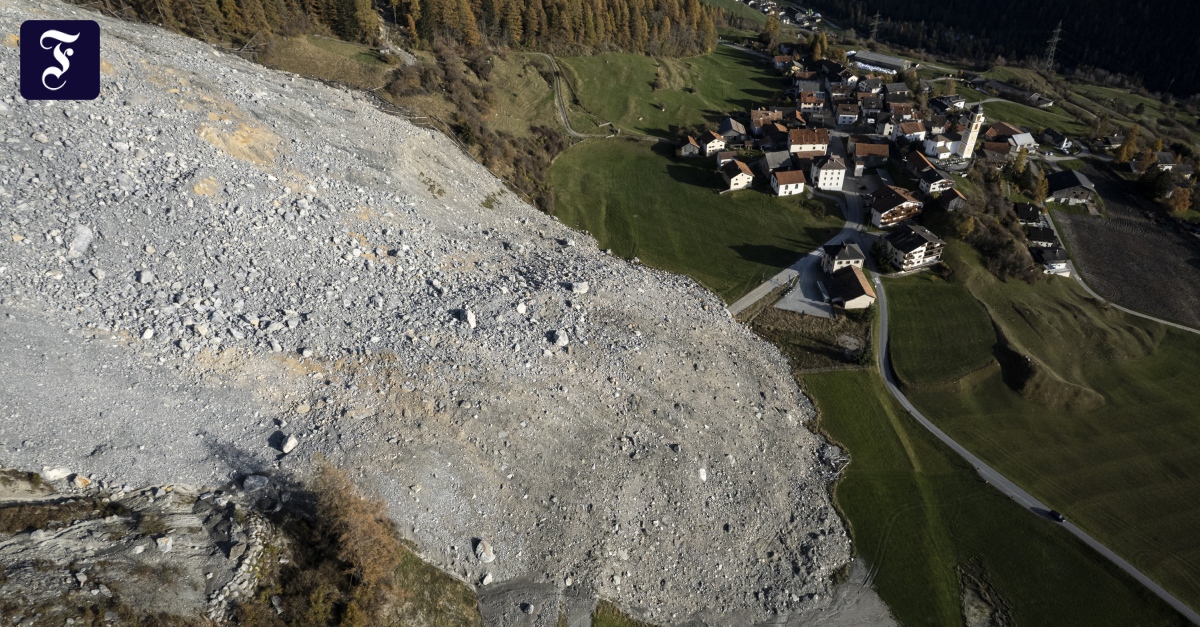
x=1104 y=97
x=328 y=59
x=1070 y=164
x=960 y=343
x=522 y=97
x=739 y=9
x=929 y=527
x=1092 y=410
x=643 y=202
x=620 y=88
x=1034 y=118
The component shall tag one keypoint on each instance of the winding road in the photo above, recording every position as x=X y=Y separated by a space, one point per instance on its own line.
x=852 y=209
x=1075 y=274
x=998 y=480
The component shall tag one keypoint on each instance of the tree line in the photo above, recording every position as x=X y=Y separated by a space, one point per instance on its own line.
x=1150 y=40
x=659 y=27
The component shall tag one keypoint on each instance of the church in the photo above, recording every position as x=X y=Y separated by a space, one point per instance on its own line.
x=953 y=144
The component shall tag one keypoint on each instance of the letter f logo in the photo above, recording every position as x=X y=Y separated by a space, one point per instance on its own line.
x=60 y=60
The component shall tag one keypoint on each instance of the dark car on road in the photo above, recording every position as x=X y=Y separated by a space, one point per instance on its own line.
x=1056 y=516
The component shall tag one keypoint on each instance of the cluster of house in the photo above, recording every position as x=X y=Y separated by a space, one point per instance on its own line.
x=908 y=247
x=1043 y=242
x=793 y=156
x=1166 y=161
x=792 y=153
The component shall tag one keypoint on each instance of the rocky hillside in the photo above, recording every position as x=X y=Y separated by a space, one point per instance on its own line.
x=215 y=270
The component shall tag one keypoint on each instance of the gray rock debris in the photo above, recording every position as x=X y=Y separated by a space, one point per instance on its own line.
x=483 y=551
x=312 y=251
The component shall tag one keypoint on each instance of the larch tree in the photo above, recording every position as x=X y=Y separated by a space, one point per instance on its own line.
x=1180 y=201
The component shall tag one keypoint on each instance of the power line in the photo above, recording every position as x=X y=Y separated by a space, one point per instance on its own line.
x=875 y=26
x=1051 y=48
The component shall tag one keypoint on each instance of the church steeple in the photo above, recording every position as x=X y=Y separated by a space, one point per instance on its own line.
x=974 y=124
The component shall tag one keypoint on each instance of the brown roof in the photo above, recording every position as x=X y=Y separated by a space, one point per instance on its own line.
x=870 y=150
x=1003 y=129
x=900 y=108
x=909 y=128
x=850 y=282
x=919 y=160
x=783 y=58
x=1001 y=147
x=890 y=197
x=692 y=140
x=848 y=109
x=761 y=116
x=809 y=97
x=790 y=177
x=732 y=168
x=727 y=154
x=713 y=136
x=809 y=136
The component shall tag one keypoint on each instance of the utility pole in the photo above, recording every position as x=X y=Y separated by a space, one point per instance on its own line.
x=875 y=26
x=1051 y=48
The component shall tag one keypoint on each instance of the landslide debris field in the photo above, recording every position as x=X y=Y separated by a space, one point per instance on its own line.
x=215 y=270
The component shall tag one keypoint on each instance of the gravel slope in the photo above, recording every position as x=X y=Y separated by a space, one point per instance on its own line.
x=214 y=257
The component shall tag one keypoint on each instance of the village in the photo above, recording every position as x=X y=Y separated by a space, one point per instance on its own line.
x=854 y=130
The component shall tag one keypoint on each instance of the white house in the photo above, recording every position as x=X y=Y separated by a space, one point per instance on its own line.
x=1023 y=140
x=788 y=182
x=1057 y=139
x=713 y=143
x=808 y=142
x=1054 y=259
x=838 y=256
x=933 y=183
x=828 y=173
x=912 y=246
x=851 y=289
x=737 y=175
x=893 y=205
x=911 y=131
x=847 y=114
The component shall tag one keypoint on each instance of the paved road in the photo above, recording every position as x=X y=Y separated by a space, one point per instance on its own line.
x=998 y=480
x=806 y=297
x=1075 y=274
x=808 y=266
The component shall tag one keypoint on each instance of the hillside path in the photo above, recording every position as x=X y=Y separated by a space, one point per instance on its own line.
x=999 y=481
x=560 y=102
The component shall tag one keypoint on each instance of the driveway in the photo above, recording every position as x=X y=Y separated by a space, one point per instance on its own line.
x=807 y=297
x=806 y=272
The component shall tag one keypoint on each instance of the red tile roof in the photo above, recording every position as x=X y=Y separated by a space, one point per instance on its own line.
x=790 y=177
x=870 y=150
